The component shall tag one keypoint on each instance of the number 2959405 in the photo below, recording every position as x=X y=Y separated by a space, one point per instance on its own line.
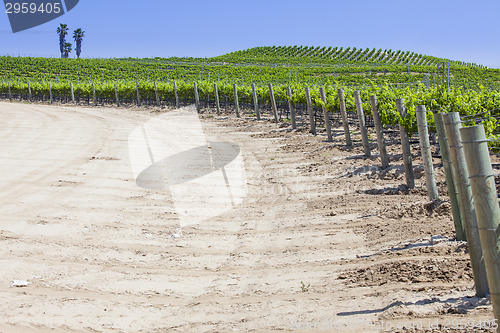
x=33 y=8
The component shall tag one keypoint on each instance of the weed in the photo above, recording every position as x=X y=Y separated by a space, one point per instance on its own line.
x=304 y=288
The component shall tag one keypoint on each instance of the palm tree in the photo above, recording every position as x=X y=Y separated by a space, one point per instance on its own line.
x=67 y=50
x=78 y=35
x=62 y=30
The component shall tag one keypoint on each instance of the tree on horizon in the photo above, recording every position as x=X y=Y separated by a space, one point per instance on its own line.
x=62 y=30
x=67 y=50
x=78 y=35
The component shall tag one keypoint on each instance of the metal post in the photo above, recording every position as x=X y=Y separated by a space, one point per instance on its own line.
x=380 y=134
x=10 y=93
x=461 y=175
x=255 y=102
x=310 y=111
x=345 y=121
x=196 y=97
x=483 y=188
x=50 y=93
x=138 y=94
x=156 y=95
x=273 y=103
x=326 y=115
x=436 y=76
x=362 y=125
x=216 y=94
x=93 y=93
x=291 y=107
x=405 y=145
x=177 y=104
x=448 y=83
x=29 y=92
x=236 y=102
x=116 y=95
x=425 y=149
x=409 y=75
x=450 y=182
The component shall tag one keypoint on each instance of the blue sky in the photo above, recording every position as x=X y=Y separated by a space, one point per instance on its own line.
x=459 y=30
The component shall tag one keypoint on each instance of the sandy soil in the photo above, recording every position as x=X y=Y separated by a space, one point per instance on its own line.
x=318 y=239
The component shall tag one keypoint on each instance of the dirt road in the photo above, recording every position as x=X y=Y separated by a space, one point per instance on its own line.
x=311 y=237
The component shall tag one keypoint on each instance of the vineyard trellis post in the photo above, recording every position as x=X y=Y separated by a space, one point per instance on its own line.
x=405 y=145
x=177 y=105
x=255 y=102
x=216 y=94
x=380 y=133
x=72 y=92
x=236 y=103
x=425 y=149
x=450 y=182
x=310 y=111
x=29 y=92
x=482 y=181
x=10 y=93
x=362 y=123
x=116 y=95
x=50 y=93
x=196 y=97
x=326 y=115
x=345 y=121
x=291 y=107
x=273 y=103
x=156 y=95
x=452 y=126
x=93 y=93
x=448 y=82
x=138 y=94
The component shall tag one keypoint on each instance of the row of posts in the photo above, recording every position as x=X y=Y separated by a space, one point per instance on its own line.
x=470 y=182
x=466 y=162
x=51 y=99
x=469 y=176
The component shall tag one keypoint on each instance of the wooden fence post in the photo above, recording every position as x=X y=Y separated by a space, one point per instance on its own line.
x=380 y=133
x=10 y=93
x=461 y=175
x=405 y=145
x=93 y=93
x=50 y=93
x=362 y=124
x=482 y=181
x=450 y=182
x=116 y=95
x=425 y=149
x=236 y=103
x=345 y=121
x=138 y=94
x=310 y=111
x=273 y=103
x=255 y=101
x=196 y=98
x=216 y=93
x=29 y=91
x=291 y=107
x=156 y=95
x=326 y=115
x=177 y=104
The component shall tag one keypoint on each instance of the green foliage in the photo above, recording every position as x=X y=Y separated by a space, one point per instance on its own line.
x=372 y=72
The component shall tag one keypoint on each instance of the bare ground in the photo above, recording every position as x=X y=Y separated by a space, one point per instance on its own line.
x=324 y=240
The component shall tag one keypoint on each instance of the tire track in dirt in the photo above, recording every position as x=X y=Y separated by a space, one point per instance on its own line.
x=100 y=254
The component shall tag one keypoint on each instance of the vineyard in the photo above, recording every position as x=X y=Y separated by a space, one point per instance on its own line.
x=470 y=89
x=248 y=189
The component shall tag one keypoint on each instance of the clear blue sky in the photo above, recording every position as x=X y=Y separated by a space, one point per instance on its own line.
x=459 y=30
